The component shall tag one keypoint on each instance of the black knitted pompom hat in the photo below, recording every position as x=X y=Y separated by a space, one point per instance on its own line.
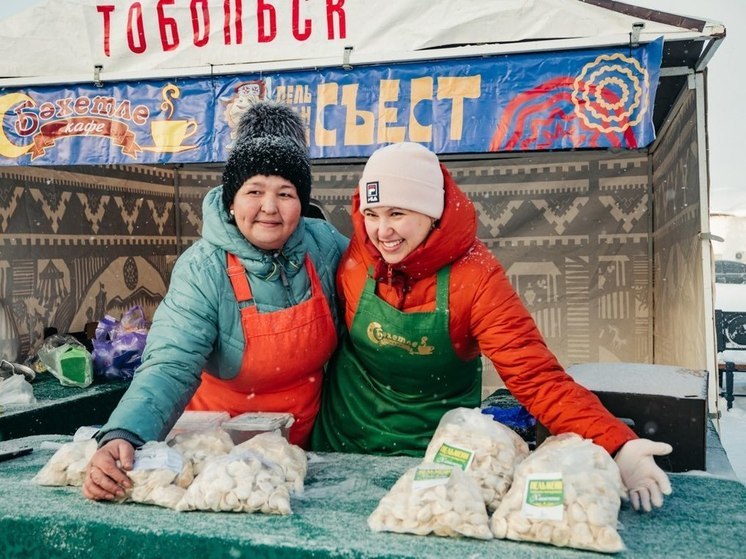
x=267 y=155
x=269 y=118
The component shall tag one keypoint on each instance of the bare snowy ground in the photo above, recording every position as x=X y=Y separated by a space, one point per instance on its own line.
x=733 y=427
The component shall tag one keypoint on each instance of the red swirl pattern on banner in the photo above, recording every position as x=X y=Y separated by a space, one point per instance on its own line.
x=543 y=116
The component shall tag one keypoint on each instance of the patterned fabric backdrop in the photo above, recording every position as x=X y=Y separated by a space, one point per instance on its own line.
x=678 y=278
x=573 y=232
x=77 y=243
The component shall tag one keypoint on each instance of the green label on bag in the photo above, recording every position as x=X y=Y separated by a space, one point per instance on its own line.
x=430 y=476
x=454 y=456
x=544 y=496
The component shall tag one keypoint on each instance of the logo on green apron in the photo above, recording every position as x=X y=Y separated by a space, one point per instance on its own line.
x=379 y=336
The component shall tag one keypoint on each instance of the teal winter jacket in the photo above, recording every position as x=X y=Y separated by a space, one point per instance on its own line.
x=197 y=326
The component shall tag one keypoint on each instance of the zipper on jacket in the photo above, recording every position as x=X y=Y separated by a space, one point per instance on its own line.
x=406 y=287
x=284 y=277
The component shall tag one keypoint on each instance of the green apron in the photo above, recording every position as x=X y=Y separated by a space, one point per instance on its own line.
x=392 y=379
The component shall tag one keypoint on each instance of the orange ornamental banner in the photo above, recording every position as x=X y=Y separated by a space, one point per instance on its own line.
x=594 y=98
x=117 y=132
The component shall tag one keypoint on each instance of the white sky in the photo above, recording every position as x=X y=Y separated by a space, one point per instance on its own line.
x=726 y=79
x=726 y=83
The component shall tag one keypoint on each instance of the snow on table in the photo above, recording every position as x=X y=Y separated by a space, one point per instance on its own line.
x=641 y=378
x=705 y=513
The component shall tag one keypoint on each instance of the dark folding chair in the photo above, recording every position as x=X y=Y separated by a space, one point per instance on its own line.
x=731 y=336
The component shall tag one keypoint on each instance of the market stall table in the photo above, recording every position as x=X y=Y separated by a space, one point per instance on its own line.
x=60 y=409
x=704 y=518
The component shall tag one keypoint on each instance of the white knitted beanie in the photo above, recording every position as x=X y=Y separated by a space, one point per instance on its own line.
x=404 y=175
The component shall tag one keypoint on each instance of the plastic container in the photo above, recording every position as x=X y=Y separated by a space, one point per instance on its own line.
x=67 y=359
x=242 y=427
x=194 y=421
x=75 y=365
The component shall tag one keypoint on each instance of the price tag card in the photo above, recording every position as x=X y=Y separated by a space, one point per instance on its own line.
x=544 y=496
x=158 y=458
x=431 y=476
x=454 y=456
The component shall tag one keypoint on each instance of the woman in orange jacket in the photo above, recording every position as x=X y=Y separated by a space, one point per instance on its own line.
x=423 y=298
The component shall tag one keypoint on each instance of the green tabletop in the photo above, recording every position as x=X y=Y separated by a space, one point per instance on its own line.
x=60 y=409
x=705 y=517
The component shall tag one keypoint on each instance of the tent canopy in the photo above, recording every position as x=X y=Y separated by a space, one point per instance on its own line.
x=633 y=222
x=87 y=41
x=64 y=40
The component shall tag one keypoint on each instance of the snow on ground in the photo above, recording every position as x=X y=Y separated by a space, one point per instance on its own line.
x=730 y=297
x=733 y=427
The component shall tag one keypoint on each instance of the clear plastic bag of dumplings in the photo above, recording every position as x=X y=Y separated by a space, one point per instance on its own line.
x=241 y=481
x=200 y=446
x=433 y=499
x=289 y=458
x=68 y=464
x=567 y=493
x=160 y=475
x=486 y=450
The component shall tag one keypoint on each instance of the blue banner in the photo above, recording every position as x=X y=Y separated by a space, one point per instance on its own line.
x=594 y=98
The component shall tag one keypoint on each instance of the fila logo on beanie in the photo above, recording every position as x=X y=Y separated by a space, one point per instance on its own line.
x=406 y=176
x=371 y=193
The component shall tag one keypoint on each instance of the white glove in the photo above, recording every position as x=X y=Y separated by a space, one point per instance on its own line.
x=646 y=483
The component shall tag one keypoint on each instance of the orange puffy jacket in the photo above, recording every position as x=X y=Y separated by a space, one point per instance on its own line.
x=486 y=316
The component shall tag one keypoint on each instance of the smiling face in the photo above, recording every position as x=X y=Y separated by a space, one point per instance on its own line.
x=396 y=232
x=267 y=210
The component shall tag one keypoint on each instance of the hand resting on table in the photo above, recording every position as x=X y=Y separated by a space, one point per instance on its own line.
x=106 y=478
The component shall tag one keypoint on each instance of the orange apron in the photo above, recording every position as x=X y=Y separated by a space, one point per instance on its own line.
x=283 y=359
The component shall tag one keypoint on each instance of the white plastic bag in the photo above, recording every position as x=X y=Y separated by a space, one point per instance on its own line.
x=67 y=360
x=485 y=449
x=291 y=459
x=238 y=482
x=160 y=476
x=199 y=446
x=433 y=499
x=16 y=390
x=566 y=493
x=68 y=465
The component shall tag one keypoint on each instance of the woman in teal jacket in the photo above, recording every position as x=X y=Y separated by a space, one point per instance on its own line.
x=260 y=274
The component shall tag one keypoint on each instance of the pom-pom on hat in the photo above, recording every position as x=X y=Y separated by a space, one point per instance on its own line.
x=267 y=155
x=404 y=175
x=268 y=118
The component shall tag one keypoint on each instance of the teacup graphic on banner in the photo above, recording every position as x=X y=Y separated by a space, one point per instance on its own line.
x=169 y=135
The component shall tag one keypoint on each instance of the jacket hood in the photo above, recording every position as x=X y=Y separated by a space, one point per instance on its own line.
x=219 y=230
x=451 y=239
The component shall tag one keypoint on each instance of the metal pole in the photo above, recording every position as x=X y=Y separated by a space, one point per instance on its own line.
x=177 y=209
